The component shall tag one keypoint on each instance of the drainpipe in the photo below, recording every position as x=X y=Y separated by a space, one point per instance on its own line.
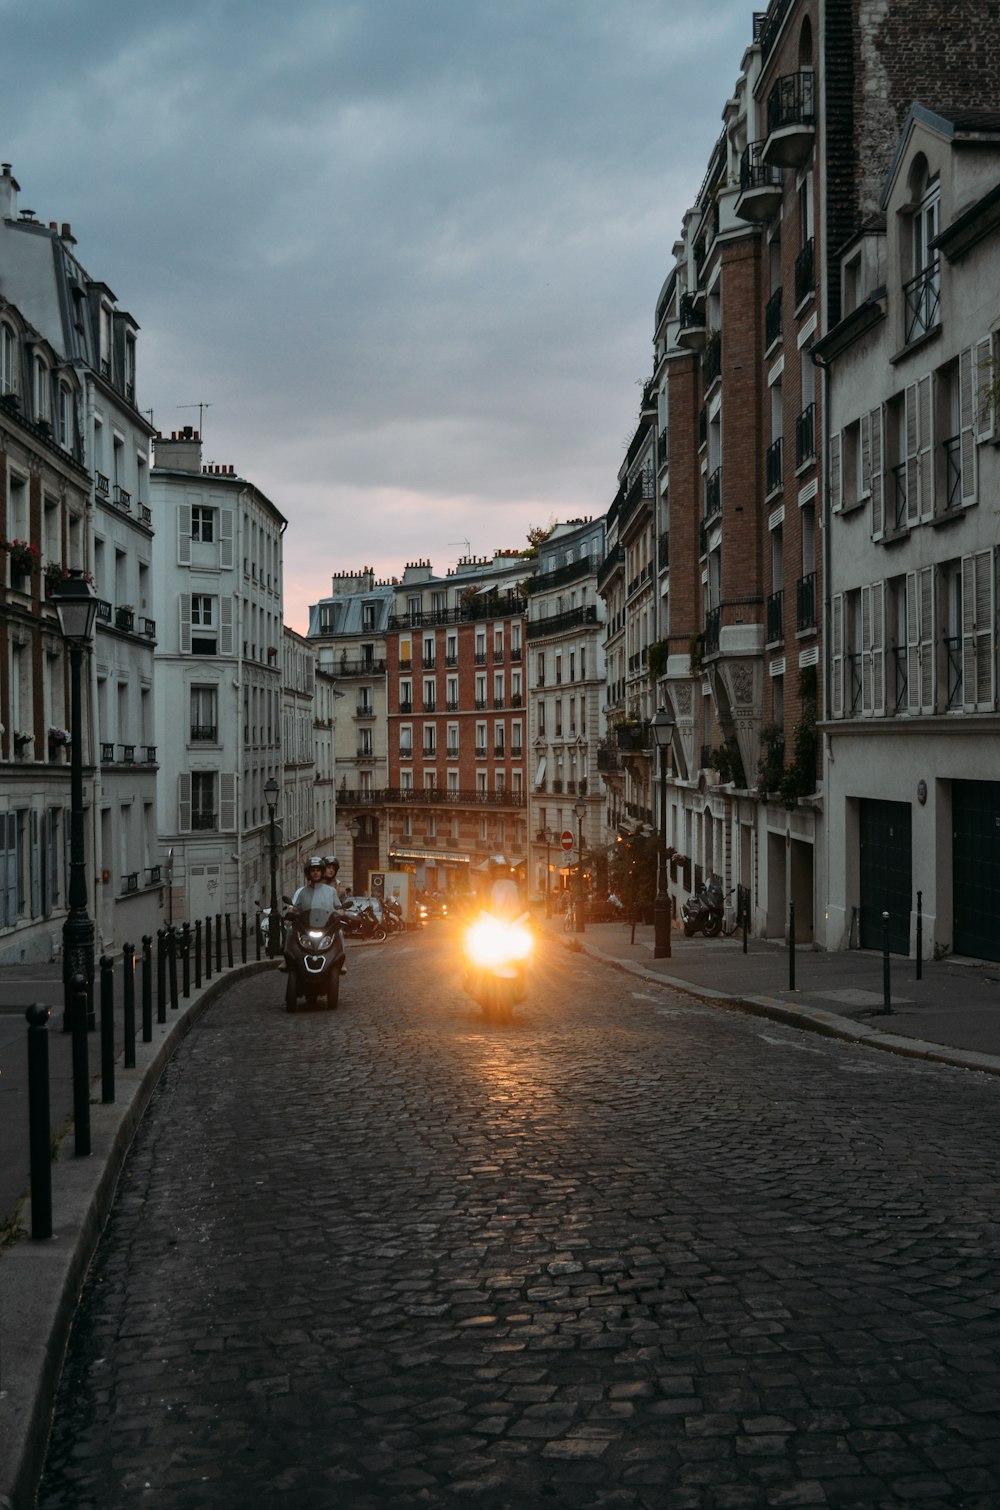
x=824 y=368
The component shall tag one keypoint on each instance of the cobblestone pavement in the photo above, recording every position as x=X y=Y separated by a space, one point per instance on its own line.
x=630 y=1250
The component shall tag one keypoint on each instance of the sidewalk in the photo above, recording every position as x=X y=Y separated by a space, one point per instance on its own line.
x=951 y=1015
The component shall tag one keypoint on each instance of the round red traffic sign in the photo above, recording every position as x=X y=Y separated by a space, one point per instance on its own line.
x=566 y=839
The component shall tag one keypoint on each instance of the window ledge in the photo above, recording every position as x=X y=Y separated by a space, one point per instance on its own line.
x=928 y=337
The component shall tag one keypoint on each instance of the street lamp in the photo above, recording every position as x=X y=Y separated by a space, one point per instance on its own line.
x=271 y=798
x=354 y=829
x=76 y=605
x=550 y=839
x=663 y=726
x=580 y=809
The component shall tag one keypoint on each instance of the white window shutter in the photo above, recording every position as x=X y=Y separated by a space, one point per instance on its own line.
x=184 y=534
x=912 y=644
x=866 y=650
x=226 y=624
x=985 y=373
x=865 y=428
x=227 y=801
x=226 y=517
x=967 y=423
x=837 y=655
x=912 y=455
x=184 y=802
x=978 y=675
x=878 y=475
x=836 y=473
x=925 y=586
x=184 y=608
x=926 y=444
x=878 y=648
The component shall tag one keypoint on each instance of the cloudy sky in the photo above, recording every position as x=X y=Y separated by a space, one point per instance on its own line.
x=408 y=251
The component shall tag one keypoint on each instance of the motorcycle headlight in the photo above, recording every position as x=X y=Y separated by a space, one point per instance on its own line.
x=314 y=942
x=489 y=942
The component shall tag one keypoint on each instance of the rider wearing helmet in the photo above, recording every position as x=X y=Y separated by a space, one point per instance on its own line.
x=331 y=866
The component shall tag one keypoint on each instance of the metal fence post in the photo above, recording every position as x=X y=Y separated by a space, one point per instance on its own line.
x=218 y=943
x=243 y=938
x=147 y=988
x=39 y=1122
x=886 y=984
x=791 y=946
x=81 y=1066
x=128 y=994
x=172 y=966
x=161 y=975
x=920 y=935
x=107 y=1029
x=197 y=954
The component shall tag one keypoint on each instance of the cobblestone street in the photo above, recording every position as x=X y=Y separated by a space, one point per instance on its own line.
x=630 y=1250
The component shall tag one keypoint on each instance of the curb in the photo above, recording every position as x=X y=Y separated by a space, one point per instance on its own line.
x=40 y=1282
x=808 y=1019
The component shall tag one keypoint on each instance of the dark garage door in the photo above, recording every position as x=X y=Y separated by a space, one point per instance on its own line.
x=886 y=874
x=975 y=853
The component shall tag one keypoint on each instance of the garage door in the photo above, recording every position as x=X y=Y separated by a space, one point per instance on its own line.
x=975 y=807
x=886 y=874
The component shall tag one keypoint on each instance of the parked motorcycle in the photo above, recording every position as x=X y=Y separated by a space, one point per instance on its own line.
x=362 y=922
x=264 y=925
x=392 y=916
x=706 y=912
x=313 y=947
x=497 y=949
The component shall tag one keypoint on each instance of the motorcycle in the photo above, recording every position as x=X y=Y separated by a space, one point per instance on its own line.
x=392 y=916
x=706 y=912
x=362 y=922
x=497 y=949
x=264 y=928
x=313 y=947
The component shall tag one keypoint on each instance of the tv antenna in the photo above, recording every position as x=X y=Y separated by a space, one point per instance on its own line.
x=201 y=411
x=466 y=543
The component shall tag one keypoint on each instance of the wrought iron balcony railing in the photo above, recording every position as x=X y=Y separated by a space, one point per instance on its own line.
x=922 y=295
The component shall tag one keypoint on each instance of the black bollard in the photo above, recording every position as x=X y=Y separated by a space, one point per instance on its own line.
x=197 y=954
x=81 y=1065
x=208 y=948
x=128 y=996
x=147 y=988
x=886 y=984
x=229 y=941
x=791 y=946
x=107 y=968
x=172 y=965
x=161 y=975
x=186 y=959
x=243 y=938
x=218 y=943
x=920 y=935
x=39 y=1123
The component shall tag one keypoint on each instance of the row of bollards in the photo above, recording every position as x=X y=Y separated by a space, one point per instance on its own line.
x=179 y=952
x=886 y=963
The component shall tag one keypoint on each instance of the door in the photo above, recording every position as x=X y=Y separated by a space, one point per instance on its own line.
x=975 y=809
x=886 y=873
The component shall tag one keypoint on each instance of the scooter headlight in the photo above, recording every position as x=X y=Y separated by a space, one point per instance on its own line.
x=490 y=943
x=314 y=941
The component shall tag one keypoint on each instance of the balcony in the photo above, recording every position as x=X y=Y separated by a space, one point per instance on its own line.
x=713 y=495
x=573 y=571
x=772 y=319
x=479 y=659
x=130 y=883
x=428 y=663
x=451 y=706
x=560 y=622
x=153 y=873
x=150 y=754
x=427 y=797
x=691 y=332
x=127 y=756
x=125 y=619
x=663 y=448
x=499 y=753
x=805 y=436
x=805 y=272
x=364 y=667
x=773 y=465
x=899 y=493
x=954 y=671
x=451 y=660
x=107 y=754
x=922 y=296
x=481 y=752
x=122 y=500
x=712 y=359
x=805 y=602
x=365 y=710
x=613 y=562
x=713 y=629
x=632 y=738
x=406 y=706
x=451 y=752
x=429 y=705
x=760 y=186
x=791 y=120
x=204 y=822
x=208 y=733
x=952 y=452
x=776 y=617
x=497 y=703
x=853 y=682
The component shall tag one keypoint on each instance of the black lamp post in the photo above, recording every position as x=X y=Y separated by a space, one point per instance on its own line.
x=580 y=809
x=354 y=829
x=76 y=605
x=271 y=798
x=549 y=838
x=663 y=726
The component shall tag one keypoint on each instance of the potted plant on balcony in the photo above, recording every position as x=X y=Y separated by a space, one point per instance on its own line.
x=59 y=739
x=24 y=557
x=23 y=739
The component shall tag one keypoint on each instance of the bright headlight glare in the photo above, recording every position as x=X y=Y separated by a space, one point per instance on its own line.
x=491 y=943
x=313 y=941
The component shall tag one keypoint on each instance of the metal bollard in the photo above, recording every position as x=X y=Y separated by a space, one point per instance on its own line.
x=229 y=941
x=161 y=975
x=81 y=1065
x=186 y=959
x=172 y=966
x=208 y=948
x=197 y=954
x=39 y=1122
x=243 y=938
x=886 y=983
x=256 y=931
x=920 y=935
x=147 y=988
x=128 y=996
x=218 y=943
x=791 y=946
x=107 y=968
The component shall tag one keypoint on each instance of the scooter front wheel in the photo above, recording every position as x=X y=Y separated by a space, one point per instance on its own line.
x=689 y=931
x=713 y=927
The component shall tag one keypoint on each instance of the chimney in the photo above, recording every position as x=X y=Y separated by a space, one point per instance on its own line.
x=9 y=188
x=181 y=453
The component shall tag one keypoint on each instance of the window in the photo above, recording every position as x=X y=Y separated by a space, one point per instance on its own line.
x=406 y=741
x=428 y=651
x=413 y=609
x=430 y=694
x=41 y=394
x=202 y=611
x=406 y=696
x=540 y=670
x=368 y=617
x=480 y=691
x=204 y=713
x=8 y=360
x=203 y=800
x=203 y=525
x=430 y=740
x=922 y=289
x=498 y=741
x=498 y=689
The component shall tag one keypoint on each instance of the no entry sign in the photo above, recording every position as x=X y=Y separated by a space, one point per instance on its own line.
x=566 y=839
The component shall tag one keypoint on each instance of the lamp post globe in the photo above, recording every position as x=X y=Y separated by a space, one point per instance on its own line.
x=580 y=811
x=76 y=605
x=271 y=790
x=663 y=726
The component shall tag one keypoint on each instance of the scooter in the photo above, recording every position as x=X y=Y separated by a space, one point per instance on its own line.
x=497 y=950
x=705 y=913
x=313 y=947
x=361 y=922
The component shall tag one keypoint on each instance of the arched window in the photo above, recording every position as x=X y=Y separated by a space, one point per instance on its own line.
x=806 y=44
x=918 y=254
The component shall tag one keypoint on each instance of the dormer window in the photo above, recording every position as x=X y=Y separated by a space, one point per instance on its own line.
x=8 y=360
x=41 y=394
x=922 y=288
